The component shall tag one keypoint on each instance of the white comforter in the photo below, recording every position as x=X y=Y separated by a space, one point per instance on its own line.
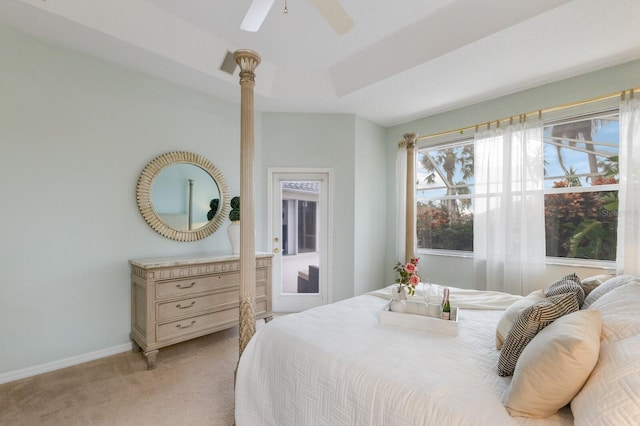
x=337 y=365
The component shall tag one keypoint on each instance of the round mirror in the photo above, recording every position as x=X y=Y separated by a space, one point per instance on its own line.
x=182 y=196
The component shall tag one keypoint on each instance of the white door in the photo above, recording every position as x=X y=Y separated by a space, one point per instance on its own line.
x=300 y=225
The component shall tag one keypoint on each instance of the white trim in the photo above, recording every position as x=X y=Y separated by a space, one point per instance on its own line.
x=572 y=189
x=609 y=265
x=447 y=253
x=62 y=363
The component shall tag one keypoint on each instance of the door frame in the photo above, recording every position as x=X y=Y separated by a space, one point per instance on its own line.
x=326 y=236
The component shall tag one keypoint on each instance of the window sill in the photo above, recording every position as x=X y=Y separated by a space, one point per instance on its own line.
x=447 y=253
x=606 y=265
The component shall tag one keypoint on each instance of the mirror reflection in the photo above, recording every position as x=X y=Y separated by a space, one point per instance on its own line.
x=184 y=195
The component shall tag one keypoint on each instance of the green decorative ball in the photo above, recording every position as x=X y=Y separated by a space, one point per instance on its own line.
x=234 y=214
x=235 y=202
x=214 y=208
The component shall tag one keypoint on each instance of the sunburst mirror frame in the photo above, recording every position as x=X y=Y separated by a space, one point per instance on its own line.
x=145 y=205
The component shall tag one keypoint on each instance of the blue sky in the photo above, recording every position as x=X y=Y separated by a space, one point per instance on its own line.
x=607 y=133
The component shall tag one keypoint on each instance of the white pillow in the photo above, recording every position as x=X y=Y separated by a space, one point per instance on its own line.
x=554 y=366
x=612 y=394
x=619 y=310
x=511 y=313
x=606 y=287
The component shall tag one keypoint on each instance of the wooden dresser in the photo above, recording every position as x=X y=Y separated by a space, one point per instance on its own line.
x=179 y=298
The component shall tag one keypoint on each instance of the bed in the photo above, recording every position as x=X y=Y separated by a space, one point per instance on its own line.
x=339 y=365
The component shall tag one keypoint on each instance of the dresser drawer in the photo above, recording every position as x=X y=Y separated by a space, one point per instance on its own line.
x=262 y=274
x=190 y=286
x=195 y=324
x=261 y=307
x=195 y=305
x=261 y=291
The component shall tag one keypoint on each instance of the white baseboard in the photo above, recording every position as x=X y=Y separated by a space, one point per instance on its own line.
x=63 y=363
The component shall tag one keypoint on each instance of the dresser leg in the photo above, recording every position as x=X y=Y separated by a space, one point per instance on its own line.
x=267 y=319
x=135 y=347
x=151 y=359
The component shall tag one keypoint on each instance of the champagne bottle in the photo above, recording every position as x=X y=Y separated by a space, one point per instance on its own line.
x=446 y=306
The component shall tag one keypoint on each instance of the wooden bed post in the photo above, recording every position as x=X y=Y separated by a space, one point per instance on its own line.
x=248 y=60
x=410 y=222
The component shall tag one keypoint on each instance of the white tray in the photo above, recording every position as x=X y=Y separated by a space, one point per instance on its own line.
x=420 y=317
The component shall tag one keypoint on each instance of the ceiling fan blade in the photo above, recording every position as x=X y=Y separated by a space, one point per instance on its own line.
x=334 y=14
x=256 y=14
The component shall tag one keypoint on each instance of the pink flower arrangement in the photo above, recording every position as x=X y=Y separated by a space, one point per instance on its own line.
x=408 y=277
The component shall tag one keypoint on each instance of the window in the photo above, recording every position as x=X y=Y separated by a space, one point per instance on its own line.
x=306 y=221
x=581 y=190
x=306 y=226
x=581 y=187
x=444 y=197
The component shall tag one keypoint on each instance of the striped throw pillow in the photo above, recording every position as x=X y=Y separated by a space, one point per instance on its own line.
x=572 y=276
x=567 y=284
x=529 y=323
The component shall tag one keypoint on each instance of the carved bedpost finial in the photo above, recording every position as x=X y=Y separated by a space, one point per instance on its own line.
x=248 y=61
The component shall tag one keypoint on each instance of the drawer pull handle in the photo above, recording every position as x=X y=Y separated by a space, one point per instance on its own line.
x=181 y=287
x=185 y=326
x=179 y=306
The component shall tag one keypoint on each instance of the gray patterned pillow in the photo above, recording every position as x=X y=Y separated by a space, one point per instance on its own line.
x=591 y=283
x=529 y=323
x=567 y=284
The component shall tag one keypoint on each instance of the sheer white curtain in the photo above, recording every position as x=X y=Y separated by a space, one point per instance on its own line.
x=628 y=250
x=508 y=244
x=401 y=201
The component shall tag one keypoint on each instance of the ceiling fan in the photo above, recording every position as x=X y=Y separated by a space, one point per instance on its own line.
x=331 y=10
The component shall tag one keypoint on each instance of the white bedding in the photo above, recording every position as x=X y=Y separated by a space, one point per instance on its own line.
x=337 y=365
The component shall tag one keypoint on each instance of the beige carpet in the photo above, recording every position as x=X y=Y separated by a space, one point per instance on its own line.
x=192 y=385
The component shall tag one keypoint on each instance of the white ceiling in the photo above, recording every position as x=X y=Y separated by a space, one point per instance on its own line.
x=402 y=60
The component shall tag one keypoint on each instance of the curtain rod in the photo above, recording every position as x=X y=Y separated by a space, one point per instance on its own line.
x=524 y=116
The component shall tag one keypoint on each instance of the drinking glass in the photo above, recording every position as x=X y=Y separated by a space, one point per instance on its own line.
x=432 y=294
x=427 y=288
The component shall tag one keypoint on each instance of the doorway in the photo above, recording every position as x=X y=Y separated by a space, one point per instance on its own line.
x=300 y=226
